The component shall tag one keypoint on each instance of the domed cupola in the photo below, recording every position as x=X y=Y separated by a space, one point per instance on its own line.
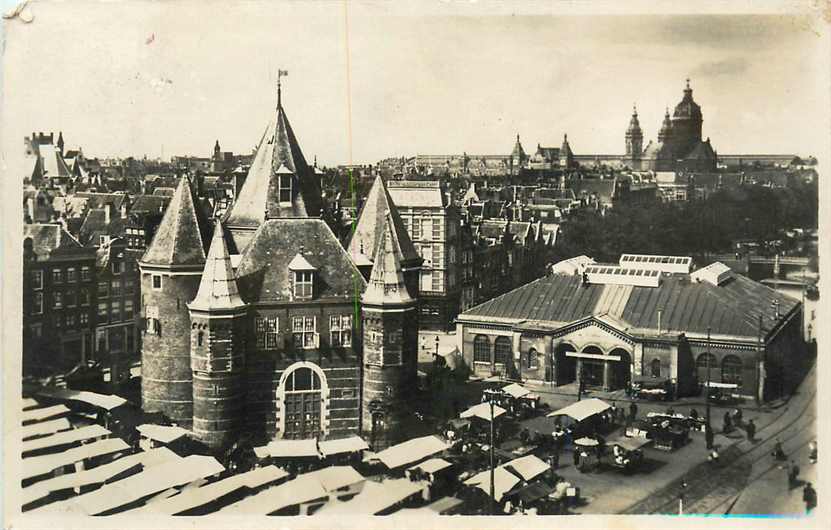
x=687 y=108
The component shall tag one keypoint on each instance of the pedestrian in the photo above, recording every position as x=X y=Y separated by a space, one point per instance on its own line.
x=576 y=457
x=737 y=417
x=728 y=423
x=793 y=475
x=613 y=411
x=694 y=414
x=751 y=430
x=633 y=411
x=621 y=416
x=670 y=411
x=555 y=460
x=809 y=496
x=708 y=436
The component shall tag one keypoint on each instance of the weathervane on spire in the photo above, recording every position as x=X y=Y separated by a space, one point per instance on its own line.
x=280 y=74
x=688 y=83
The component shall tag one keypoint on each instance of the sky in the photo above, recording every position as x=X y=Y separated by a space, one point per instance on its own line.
x=370 y=81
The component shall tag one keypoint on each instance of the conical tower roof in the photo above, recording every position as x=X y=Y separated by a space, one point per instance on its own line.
x=218 y=287
x=565 y=149
x=259 y=198
x=666 y=127
x=370 y=227
x=183 y=234
x=518 y=151
x=386 y=285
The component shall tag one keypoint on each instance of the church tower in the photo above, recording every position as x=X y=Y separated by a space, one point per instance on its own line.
x=170 y=272
x=390 y=344
x=686 y=124
x=566 y=156
x=634 y=140
x=518 y=157
x=218 y=318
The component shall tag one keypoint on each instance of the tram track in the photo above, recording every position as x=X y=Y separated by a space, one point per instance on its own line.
x=730 y=479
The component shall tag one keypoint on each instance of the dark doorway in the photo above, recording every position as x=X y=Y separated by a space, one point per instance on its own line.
x=621 y=369
x=565 y=368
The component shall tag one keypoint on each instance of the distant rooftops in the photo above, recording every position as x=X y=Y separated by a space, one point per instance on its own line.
x=669 y=264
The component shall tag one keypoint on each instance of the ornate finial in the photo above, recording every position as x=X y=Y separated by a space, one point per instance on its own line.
x=517 y=137
x=280 y=74
x=688 y=83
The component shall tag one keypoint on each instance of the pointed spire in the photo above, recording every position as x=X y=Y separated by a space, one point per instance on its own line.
x=370 y=227
x=386 y=283
x=183 y=233
x=218 y=287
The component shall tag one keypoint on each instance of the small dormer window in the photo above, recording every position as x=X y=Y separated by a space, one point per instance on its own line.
x=302 y=276
x=284 y=184
x=303 y=284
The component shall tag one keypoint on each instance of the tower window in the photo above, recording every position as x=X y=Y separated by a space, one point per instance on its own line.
x=304 y=332
x=200 y=338
x=340 y=330
x=157 y=282
x=303 y=284
x=267 y=330
x=285 y=188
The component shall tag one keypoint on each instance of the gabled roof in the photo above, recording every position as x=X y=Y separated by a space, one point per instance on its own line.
x=263 y=273
x=183 y=234
x=259 y=198
x=371 y=225
x=416 y=193
x=386 y=283
x=95 y=224
x=98 y=200
x=701 y=151
x=149 y=204
x=47 y=238
x=218 y=287
x=731 y=309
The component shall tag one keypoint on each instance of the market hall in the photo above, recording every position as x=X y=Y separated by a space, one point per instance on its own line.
x=650 y=318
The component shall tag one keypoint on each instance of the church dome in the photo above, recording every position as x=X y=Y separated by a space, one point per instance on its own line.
x=687 y=108
x=634 y=124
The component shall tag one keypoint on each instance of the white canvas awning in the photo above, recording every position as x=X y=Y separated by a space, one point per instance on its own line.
x=99 y=474
x=29 y=403
x=44 y=413
x=353 y=444
x=483 y=411
x=66 y=437
x=153 y=480
x=503 y=482
x=39 y=465
x=375 y=498
x=45 y=427
x=528 y=467
x=516 y=391
x=288 y=449
x=431 y=466
x=333 y=478
x=301 y=490
x=582 y=409
x=195 y=497
x=104 y=401
x=411 y=451
x=162 y=433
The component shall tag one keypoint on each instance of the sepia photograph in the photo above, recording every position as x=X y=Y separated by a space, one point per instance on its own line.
x=444 y=262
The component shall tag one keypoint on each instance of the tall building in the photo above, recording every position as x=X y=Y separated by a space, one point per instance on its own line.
x=390 y=333
x=634 y=140
x=256 y=331
x=679 y=145
x=432 y=222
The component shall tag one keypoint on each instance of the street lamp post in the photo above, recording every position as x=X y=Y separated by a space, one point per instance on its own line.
x=493 y=488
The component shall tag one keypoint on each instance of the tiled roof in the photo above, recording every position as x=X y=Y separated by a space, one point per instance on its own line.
x=604 y=188
x=263 y=272
x=702 y=151
x=53 y=163
x=49 y=237
x=183 y=234
x=217 y=288
x=149 y=204
x=731 y=309
x=386 y=283
x=371 y=225
x=259 y=197
x=416 y=193
x=98 y=200
x=95 y=224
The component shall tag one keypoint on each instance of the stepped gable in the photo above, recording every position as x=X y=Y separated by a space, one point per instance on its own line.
x=218 y=287
x=264 y=274
x=183 y=234
x=386 y=283
x=371 y=225
x=278 y=154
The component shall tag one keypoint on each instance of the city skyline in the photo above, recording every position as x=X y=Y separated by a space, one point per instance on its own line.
x=537 y=76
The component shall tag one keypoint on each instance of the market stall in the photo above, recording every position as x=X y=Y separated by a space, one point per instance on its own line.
x=582 y=417
x=588 y=454
x=626 y=453
x=722 y=393
x=652 y=388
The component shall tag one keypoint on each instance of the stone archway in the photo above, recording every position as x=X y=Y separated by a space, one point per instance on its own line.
x=592 y=370
x=622 y=369
x=564 y=369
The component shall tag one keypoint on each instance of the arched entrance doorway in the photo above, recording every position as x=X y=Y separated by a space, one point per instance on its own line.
x=591 y=370
x=301 y=392
x=564 y=369
x=622 y=369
